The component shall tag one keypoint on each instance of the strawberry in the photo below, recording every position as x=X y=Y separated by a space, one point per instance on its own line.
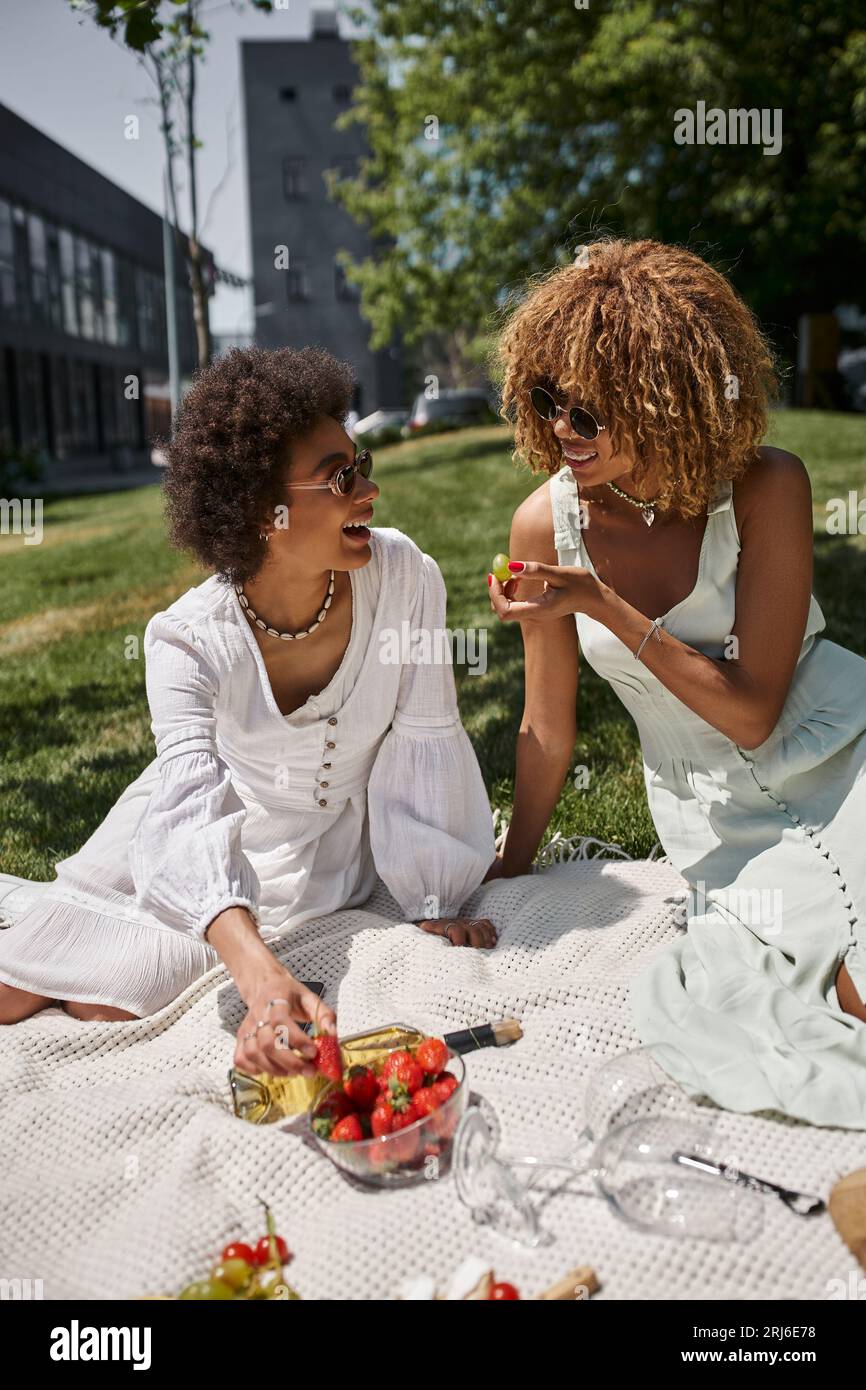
x=432 y=1054
x=425 y=1101
x=348 y=1130
x=400 y=1119
x=404 y=1147
x=329 y=1061
x=362 y=1086
x=380 y=1156
x=444 y=1086
x=381 y=1119
x=333 y=1107
x=401 y=1066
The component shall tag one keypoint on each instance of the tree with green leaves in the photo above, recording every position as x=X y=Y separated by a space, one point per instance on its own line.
x=505 y=134
x=169 y=40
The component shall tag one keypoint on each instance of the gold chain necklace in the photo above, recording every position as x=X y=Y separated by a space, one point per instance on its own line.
x=646 y=508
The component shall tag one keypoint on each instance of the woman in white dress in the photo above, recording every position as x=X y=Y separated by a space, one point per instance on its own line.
x=295 y=760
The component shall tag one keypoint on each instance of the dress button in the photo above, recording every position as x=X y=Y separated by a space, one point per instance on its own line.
x=330 y=745
x=795 y=818
x=326 y=766
x=332 y=720
x=323 y=802
x=783 y=805
x=323 y=784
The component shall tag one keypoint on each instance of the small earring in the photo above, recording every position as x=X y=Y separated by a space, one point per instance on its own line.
x=264 y=535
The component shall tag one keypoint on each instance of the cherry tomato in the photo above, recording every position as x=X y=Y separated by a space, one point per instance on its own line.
x=239 y=1251
x=504 y=1291
x=262 y=1252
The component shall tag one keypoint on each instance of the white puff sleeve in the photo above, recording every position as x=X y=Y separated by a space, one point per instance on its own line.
x=431 y=828
x=186 y=859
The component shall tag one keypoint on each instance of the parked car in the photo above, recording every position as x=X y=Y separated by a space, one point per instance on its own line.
x=382 y=427
x=449 y=410
x=852 y=368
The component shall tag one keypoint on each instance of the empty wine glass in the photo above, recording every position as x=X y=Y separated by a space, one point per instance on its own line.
x=637 y=1166
x=638 y=1084
x=647 y=1147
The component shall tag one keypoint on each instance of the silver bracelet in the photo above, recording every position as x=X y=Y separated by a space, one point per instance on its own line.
x=655 y=628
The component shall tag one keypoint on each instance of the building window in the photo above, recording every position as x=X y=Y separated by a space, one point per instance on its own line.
x=295 y=177
x=109 y=298
x=299 y=282
x=86 y=289
x=127 y=334
x=32 y=414
x=150 y=306
x=343 y=289
x=67 y=281
x=7 y=258
x=82 y=399
x=38 y=267
x=21 y=261
x=55 y=294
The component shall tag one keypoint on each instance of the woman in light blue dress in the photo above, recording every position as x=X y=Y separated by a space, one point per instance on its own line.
x=683 y=549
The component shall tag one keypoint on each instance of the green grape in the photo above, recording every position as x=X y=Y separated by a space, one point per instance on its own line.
x=216 y=1289
x=235 y=1273
x=196 y=1290
x=500 y=569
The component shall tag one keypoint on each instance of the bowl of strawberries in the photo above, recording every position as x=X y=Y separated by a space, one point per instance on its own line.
x=391 y=1121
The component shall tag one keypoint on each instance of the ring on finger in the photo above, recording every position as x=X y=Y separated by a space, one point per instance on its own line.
x=272 y=1002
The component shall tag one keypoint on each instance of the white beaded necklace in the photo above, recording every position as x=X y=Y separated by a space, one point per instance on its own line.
x=272 y=631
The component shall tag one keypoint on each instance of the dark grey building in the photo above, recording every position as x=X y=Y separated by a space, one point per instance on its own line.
x=293 y=92
x=82 y=309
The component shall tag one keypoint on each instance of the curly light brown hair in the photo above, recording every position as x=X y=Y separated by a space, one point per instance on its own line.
x=231 y=449
x=662 y=350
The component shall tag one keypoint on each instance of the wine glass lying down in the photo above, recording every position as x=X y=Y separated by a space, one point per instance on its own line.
x=657 y=1161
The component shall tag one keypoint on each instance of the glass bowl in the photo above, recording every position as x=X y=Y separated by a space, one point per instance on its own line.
x=420 y=1151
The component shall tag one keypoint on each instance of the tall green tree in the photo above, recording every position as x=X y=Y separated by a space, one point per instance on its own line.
x=555 y=122
x=169 y=40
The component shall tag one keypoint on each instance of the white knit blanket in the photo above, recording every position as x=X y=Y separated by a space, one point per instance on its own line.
x=124 y=1170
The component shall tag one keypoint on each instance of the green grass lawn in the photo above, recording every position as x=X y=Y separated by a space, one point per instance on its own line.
x=74 y=723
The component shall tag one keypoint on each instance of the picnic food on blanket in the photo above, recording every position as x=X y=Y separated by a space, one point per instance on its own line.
x=499 y=568
x=473 y=1280
x=847 y=1205
x=247 y=1271
x=264 y=1099
x=392 y=1117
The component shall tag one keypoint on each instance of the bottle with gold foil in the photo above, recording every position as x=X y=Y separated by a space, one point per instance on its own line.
x=265 y=1099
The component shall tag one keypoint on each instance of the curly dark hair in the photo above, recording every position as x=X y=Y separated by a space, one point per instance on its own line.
x=231 y=447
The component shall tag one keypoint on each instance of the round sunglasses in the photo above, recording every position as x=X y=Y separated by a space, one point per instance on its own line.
x=582 y=421
x=343 y=481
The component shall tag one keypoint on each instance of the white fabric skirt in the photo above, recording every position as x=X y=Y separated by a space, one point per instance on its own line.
x=84 y=938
